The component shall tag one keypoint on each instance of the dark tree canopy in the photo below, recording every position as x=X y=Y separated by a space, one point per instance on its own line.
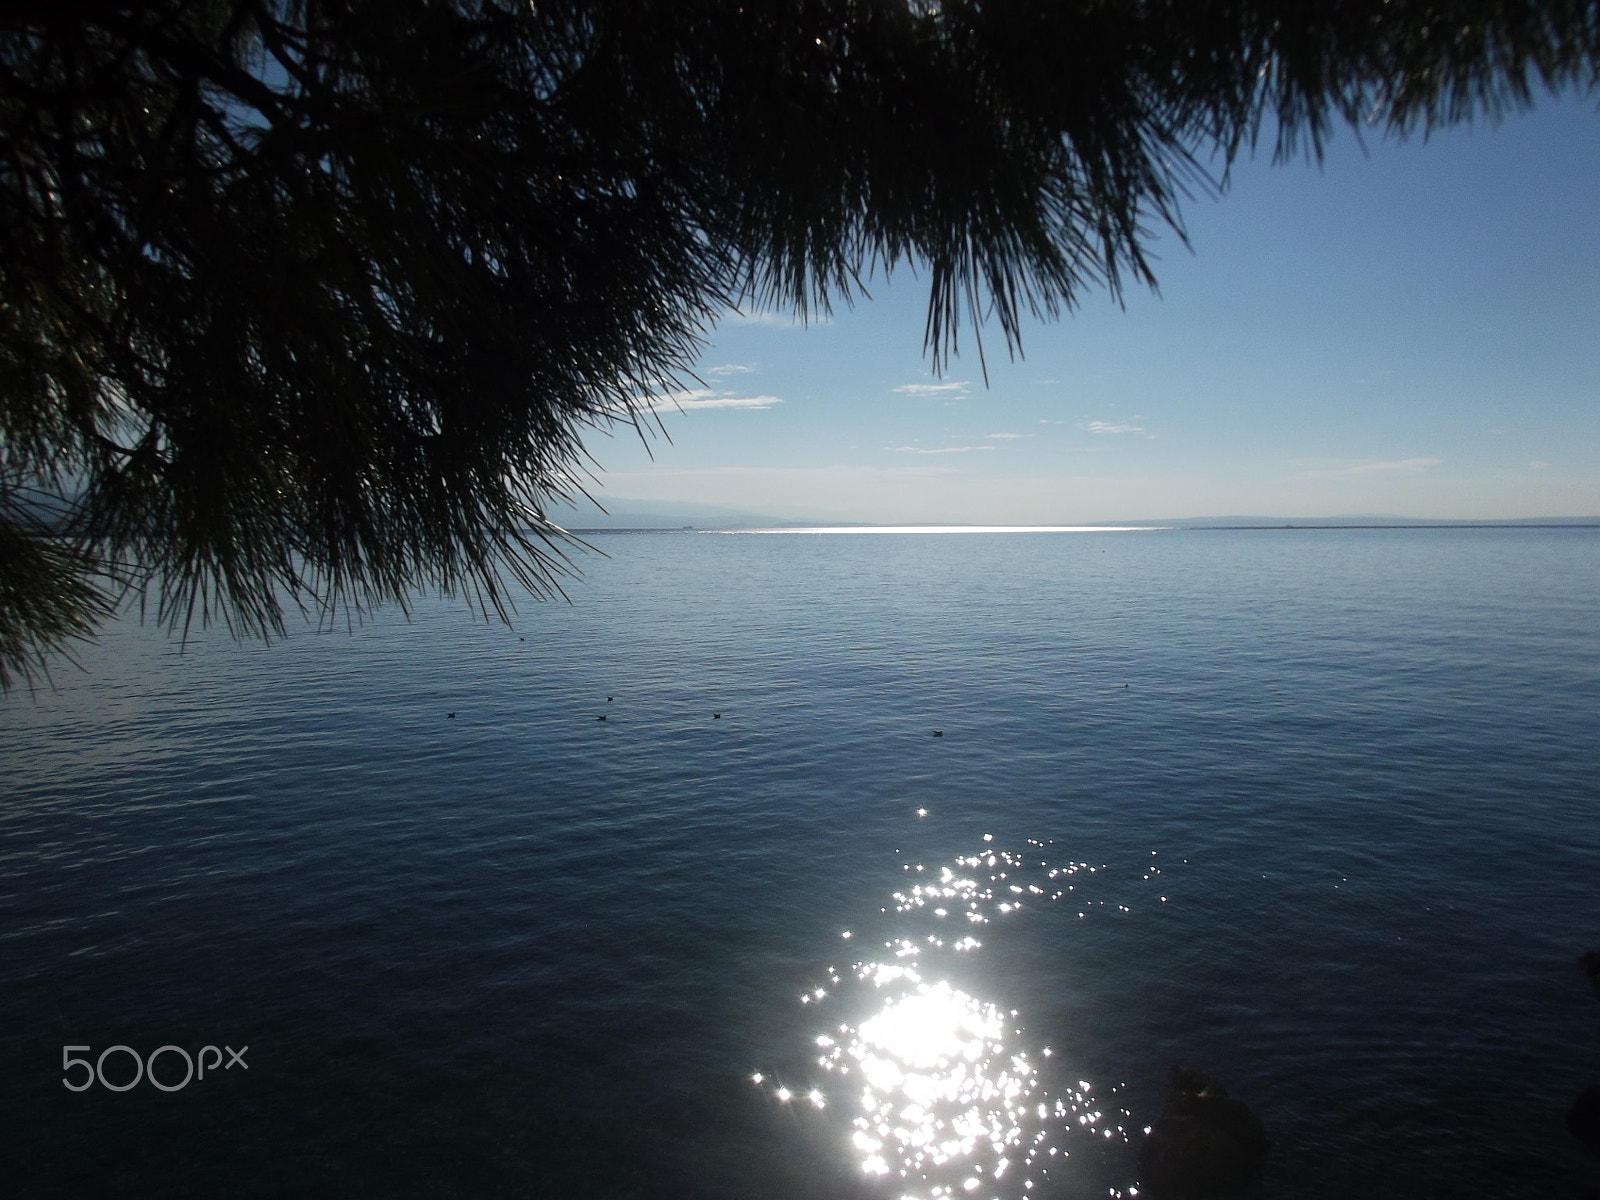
x=311 y=302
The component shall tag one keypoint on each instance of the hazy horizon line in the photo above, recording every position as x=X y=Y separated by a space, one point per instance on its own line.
x=1185 y=524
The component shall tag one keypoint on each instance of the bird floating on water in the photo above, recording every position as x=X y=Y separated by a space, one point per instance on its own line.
x=601 y=717
x=938 y=733
x=449 y=714
x=716 y=716
x=1590 y=962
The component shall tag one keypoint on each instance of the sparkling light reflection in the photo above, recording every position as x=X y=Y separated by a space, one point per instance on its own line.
x=932 y=1086
x=938 y=1084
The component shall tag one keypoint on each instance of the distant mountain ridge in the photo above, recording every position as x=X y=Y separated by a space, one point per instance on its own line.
x=1361 y=521
x=667 y=514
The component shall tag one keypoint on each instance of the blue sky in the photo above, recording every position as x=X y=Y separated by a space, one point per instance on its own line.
x=1413 y=330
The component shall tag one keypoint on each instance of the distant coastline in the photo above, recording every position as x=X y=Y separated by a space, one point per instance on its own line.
x=624 y=515
x=641 y=523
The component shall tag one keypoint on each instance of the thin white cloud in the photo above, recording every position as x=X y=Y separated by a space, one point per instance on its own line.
x=1113 y=427
x=734 y=402
x=780 y=320
x=955 y=388
x=727 y=369
x=940 y=450
x=1407 y=465
x=1397 y=466
x=687 y=401
x=670 y=400
x=1006 y=436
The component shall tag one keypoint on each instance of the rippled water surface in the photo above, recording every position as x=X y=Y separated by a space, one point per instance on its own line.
x=1317 y=812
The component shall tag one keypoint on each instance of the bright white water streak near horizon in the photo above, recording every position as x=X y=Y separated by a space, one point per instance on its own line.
x=956 y=529
x=946 y=1097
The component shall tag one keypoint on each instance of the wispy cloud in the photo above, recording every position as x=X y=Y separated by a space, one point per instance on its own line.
x=778 y=320
x=1006 y=436
x=1397 y=466
x=674 y=399
x=727 y=369
x=953 y=389
x=1113 y=427
x=734 y=402
x=687 y=401
x=940 y=450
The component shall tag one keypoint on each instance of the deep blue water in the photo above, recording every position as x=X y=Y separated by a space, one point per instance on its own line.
x=1339 y=791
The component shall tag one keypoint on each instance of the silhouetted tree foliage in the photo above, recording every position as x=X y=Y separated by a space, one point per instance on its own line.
x=311 y=302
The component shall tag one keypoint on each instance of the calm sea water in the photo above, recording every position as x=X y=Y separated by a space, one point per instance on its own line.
x=1315 y=811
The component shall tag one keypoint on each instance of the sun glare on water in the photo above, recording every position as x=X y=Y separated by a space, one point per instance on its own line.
x=940 y=1090
x=936 y=1083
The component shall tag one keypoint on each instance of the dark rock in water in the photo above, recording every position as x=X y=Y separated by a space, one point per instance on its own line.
x=1583 y=1119
x=1590 y=962
x=1203 y=1144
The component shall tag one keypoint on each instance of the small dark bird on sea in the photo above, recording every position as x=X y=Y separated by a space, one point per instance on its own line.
x=938 y=733
x=608 y=699
x=1590 y=962
x=716 y=716
x=449 y=714
x=601 y=717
